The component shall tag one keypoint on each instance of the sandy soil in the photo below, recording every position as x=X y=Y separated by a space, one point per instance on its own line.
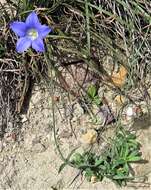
x=2 y=1
x=32 y=162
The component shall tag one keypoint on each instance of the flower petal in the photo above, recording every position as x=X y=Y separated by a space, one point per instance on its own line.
x=32 y=20
x=38 y=45
x=43 y=30
x=23 y=44
x=19 y=28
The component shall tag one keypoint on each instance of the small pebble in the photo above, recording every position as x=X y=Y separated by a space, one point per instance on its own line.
x=93 y=179
x=129 y=111
x=90 y=137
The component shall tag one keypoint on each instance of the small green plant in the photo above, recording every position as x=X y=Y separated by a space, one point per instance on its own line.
x=92 y=95
x=114 y=163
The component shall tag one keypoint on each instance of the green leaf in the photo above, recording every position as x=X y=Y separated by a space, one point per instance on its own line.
x=91 y=91
x=102 y=167
x=134 y=159
x=121 y=176
x=88 y=174
x=118 y=162
x=133 y=143
x=78 y=156
x=71 y=153
x=126 y=168
x=78 y=159
x=126 y=151
x=62 y=167
x=134 y=153
x=131 y=136
x=97 y=100
x=98 y=162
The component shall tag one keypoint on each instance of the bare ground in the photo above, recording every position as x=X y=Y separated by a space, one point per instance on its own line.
x=32 y=162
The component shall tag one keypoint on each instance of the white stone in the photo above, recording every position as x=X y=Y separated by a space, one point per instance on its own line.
x=129 y=112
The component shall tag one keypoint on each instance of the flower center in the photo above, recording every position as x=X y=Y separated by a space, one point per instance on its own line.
x=32 y=34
